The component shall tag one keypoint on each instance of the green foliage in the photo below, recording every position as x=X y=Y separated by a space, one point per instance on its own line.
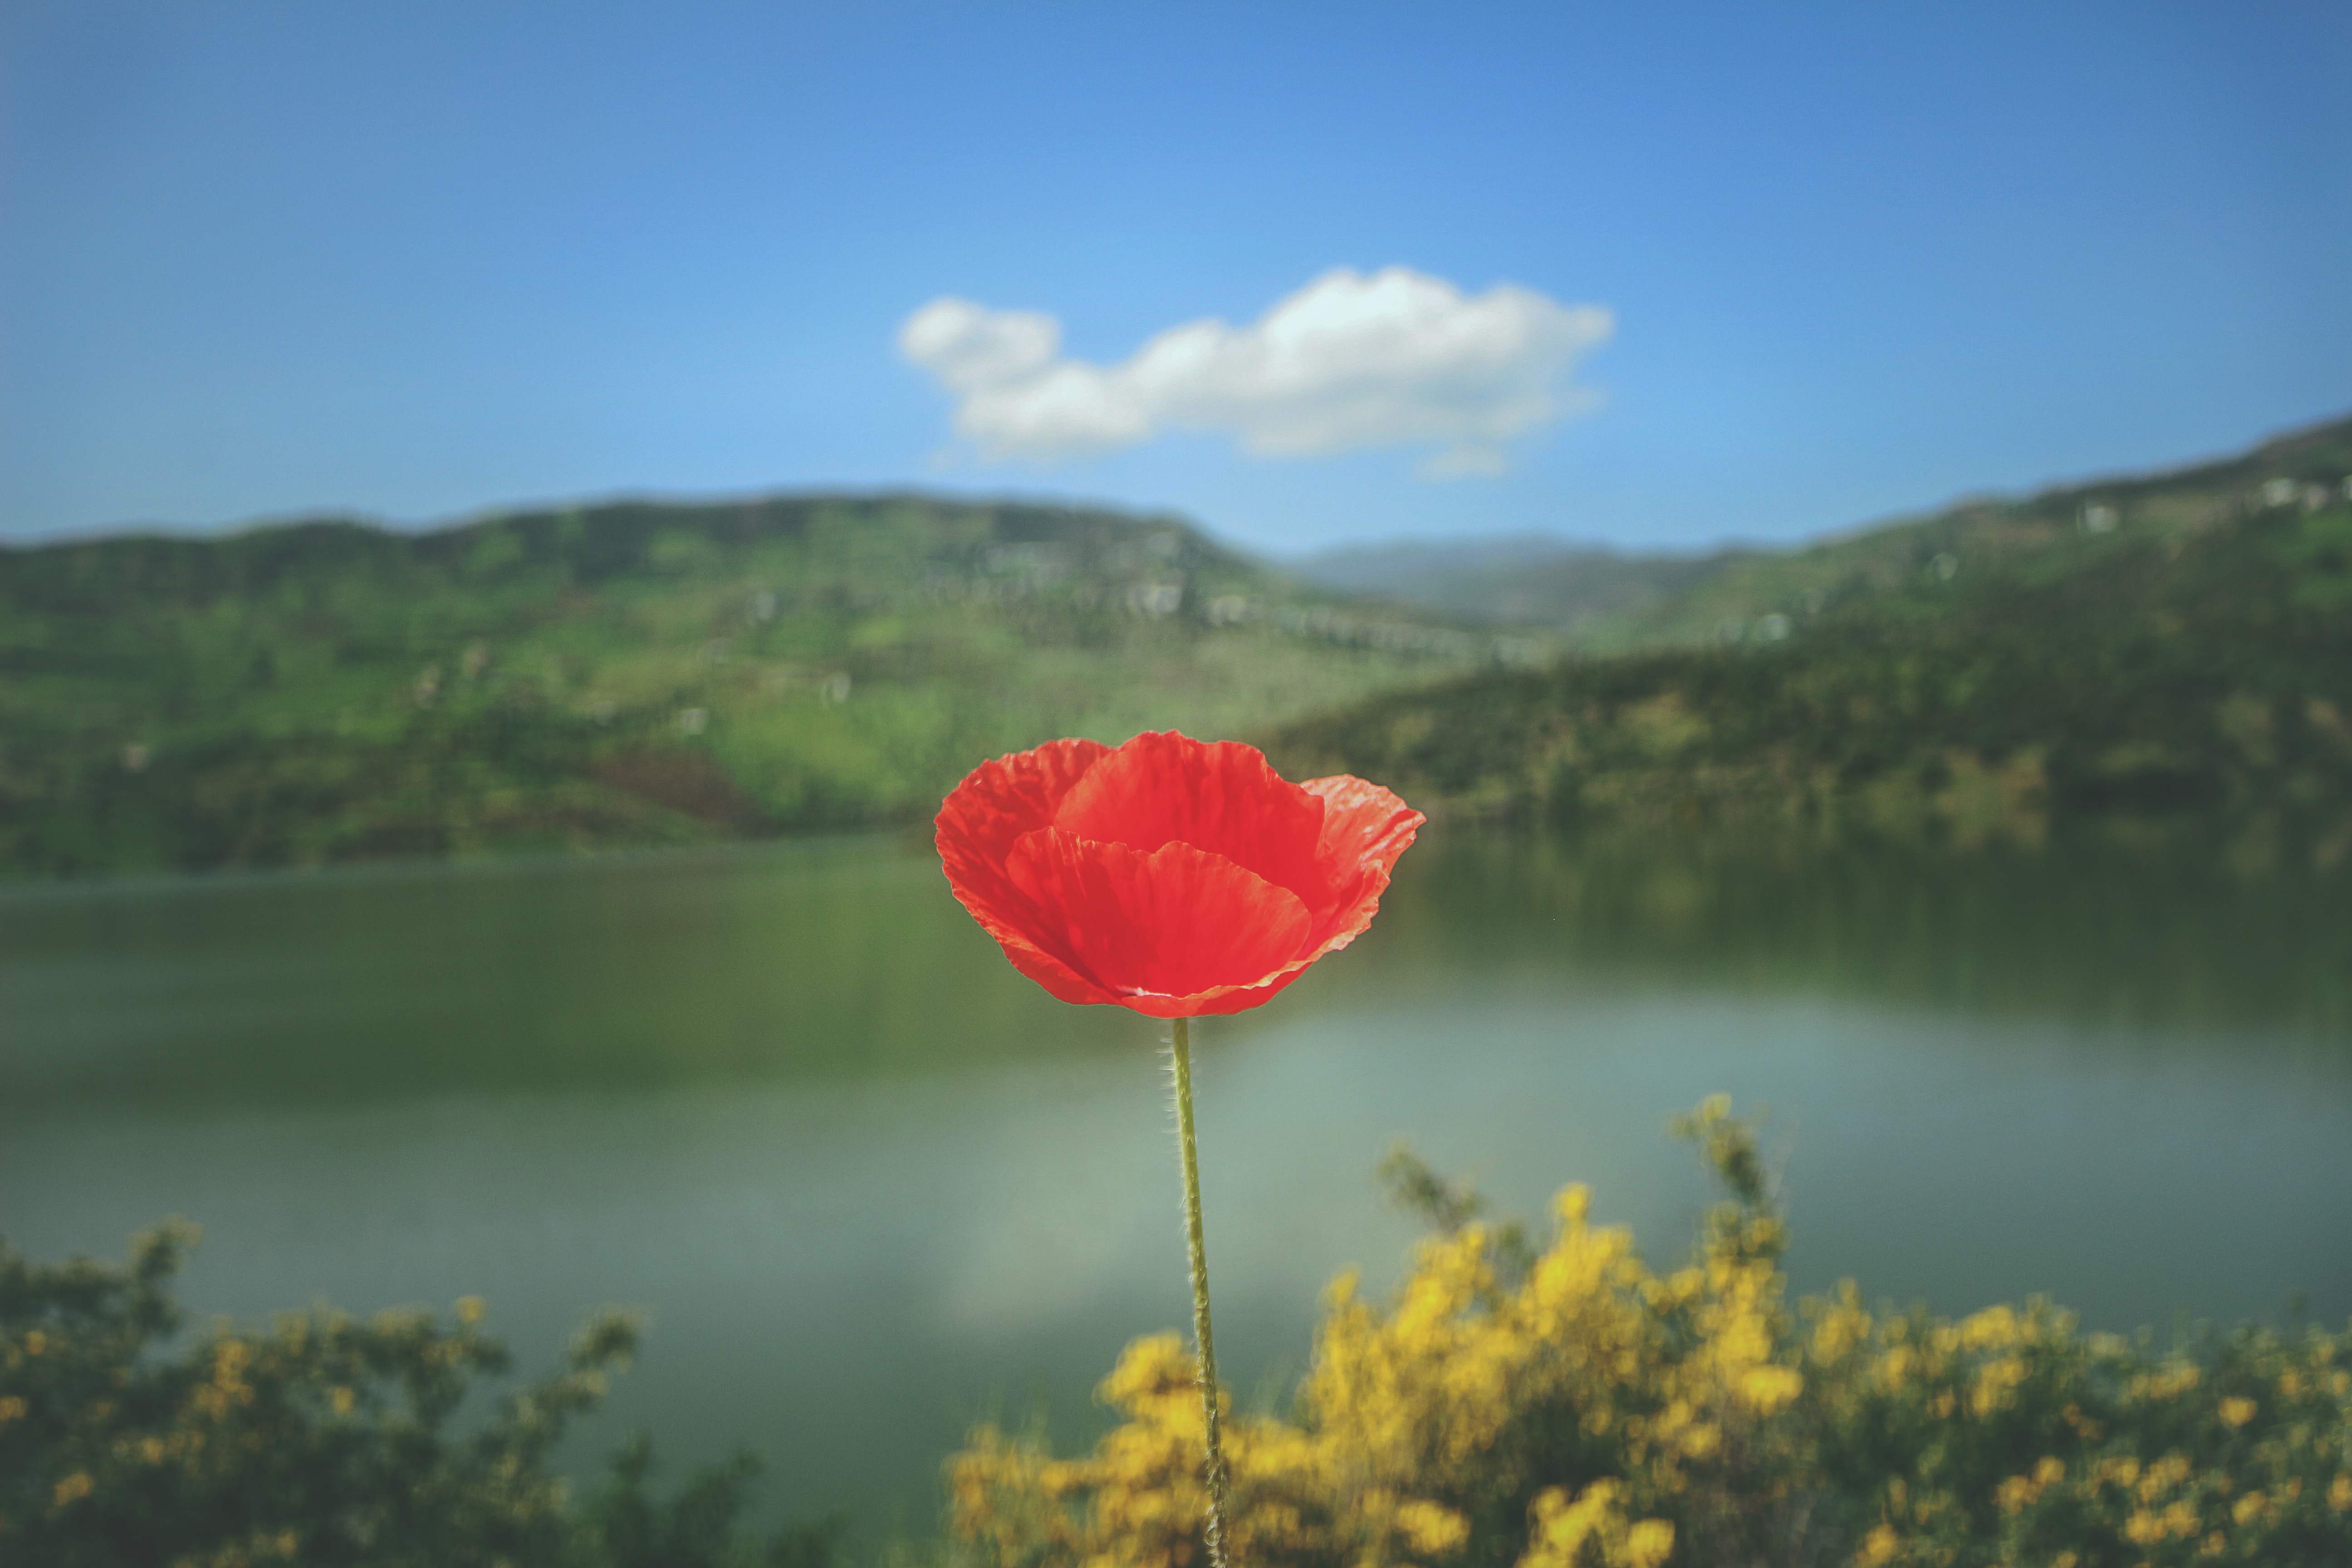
x=318 y=1441
x=1448 y=1207
x=634 y=673
x=1575 y=1410
x=2206 y=670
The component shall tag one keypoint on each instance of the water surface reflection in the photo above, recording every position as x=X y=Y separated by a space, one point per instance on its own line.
x=871 y=1185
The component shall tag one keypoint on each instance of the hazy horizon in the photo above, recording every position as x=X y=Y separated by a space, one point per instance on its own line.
x=1465 y=544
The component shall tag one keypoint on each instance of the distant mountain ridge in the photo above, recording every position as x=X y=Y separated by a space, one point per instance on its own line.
x=1515 y=580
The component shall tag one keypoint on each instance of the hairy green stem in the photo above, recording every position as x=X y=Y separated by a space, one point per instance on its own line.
x=1180 y=1050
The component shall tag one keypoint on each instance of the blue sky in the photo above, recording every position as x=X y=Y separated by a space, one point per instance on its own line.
x=415 y=260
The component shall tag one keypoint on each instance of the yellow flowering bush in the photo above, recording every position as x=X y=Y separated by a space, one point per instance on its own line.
x=1570 y=1408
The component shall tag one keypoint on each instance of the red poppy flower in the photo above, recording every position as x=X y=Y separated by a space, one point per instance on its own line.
x=1171 y=876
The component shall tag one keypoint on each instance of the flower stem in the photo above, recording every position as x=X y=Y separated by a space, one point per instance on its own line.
x=1180 y=1049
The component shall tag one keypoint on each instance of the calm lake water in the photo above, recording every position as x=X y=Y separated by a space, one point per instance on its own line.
x=870 y=1185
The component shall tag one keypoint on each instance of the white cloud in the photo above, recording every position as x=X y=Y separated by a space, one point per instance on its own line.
x=1397 y=358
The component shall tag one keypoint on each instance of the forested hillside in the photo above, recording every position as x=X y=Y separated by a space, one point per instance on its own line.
x=2167 y=649
x=650 y=673
x=632 y=673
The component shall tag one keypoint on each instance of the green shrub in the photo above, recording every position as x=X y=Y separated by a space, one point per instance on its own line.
x=321 y=1440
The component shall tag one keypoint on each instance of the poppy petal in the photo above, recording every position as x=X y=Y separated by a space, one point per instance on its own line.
x=1222 y=797
x=1168 y=932
x=1063 y=982
x=1365 y=829
x=981 y=821
x=1171 y=876
x=1010 y=795
x=1233 y=998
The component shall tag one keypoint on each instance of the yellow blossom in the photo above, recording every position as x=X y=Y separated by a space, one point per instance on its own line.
x=1614 y=1392
x=1649 y=1544
x=1767 y=1389
x=1431 y=1530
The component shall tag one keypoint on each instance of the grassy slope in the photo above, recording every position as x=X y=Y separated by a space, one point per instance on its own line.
x=628 y=673
x=2035 y=539
x=2196 y=655
x=1602 y=602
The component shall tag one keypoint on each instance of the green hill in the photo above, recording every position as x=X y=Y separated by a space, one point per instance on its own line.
x=2179 y=643
x=1600 y=600
x=642 y=672
x=630 y=673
